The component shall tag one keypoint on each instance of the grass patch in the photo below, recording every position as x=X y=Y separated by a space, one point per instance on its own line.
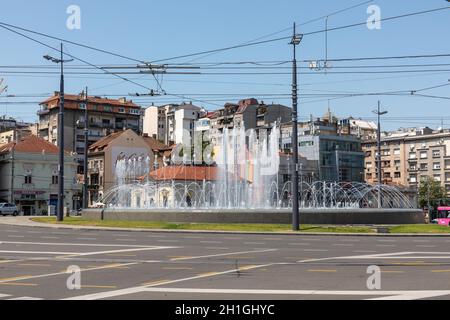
x=206 y=226
x=420 y=228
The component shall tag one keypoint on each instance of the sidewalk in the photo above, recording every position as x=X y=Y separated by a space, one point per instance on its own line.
x=27 y=222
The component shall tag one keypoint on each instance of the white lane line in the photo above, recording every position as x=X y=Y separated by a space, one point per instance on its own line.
x=254 y=243
x=50 y=238
x=76 y=244
x=421 y=240
x=87 y=239
x=127 y=240
x=390 y=295
x=84 y=254
x=425 y=246
x=217 y=248
x=194 y=237
x=211 y=242
x=343 y=245
x=112 y=266
x=122 y=292
x=223 y=254
x=386 y=245
x=40 y=252
x=168 y=241
x=364 y=251
x=16 y=236
x=315 y=250
x=27 y=299
x=299 y=244
x=385 y=240
x=4 y=295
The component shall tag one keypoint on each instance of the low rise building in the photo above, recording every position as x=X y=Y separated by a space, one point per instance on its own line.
x=29 y=176
x=139 y=156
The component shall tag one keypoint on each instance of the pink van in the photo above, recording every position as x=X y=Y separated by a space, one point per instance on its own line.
x=443 y=217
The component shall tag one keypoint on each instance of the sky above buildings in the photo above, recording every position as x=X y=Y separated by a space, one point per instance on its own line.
x=157 y=30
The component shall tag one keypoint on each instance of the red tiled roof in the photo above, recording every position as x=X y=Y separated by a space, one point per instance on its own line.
x=96 y=100
x=155 y=145
x=178 y=173
x=104 y=142
x=30 y=144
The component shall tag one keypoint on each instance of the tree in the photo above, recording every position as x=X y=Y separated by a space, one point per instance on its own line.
x=431 y=193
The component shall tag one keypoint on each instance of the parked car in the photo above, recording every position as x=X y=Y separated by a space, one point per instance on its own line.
x=8 y=209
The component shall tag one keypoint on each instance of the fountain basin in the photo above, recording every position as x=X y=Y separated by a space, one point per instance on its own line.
x=262 y=216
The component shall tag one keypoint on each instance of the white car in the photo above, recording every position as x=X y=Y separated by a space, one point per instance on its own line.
x=8 y=209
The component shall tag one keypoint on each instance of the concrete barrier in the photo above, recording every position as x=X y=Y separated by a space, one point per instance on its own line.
x=281 y=216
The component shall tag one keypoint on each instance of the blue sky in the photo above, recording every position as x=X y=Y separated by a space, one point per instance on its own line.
x=153 y=30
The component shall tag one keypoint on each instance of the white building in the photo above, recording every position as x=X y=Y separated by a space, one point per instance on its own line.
x=29 y=176
x=171 y=123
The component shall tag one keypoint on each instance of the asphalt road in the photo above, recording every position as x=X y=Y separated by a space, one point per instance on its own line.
x=152 y=265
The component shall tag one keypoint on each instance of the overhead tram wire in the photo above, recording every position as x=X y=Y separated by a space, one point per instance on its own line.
x=305 y=34
x=92 y=65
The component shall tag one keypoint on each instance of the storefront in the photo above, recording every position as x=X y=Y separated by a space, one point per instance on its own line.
x=30 y=202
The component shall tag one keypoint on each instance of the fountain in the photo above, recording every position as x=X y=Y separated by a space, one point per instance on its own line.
x=243 y=180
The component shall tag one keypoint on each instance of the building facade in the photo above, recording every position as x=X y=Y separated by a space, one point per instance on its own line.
x=105 y=116
x=29 y=176
x=172 y=124
x=126 y=145
x=409 y=155
x=339 y=157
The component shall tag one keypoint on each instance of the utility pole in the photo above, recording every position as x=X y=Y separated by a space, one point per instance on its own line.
x=13 y=150
x=379 y=113
x=86 y=141
x=60 y=209
x=296 y=39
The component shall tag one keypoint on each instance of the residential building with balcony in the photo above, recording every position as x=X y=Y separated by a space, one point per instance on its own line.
x=408 y=156
x=29 y=176
x=172 y=124
x=105 y=116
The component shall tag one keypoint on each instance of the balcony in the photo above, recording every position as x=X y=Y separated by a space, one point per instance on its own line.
x=42 y=112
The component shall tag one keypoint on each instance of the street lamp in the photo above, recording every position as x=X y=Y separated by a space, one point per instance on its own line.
x=296 y=40
x=61 y=61
x=379 y=113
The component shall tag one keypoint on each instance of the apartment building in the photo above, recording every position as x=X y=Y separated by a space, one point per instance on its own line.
x=338 y=156
x=251 y=113
x=105 y=116
x=172 y=124
x=29 y=176
x=409 y=155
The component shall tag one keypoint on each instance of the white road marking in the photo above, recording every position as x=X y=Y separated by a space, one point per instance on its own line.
x=223 y=255
x=50 y=238
x=40 y=252
x=4 y=295
x=217 y=248
x=254 y=243
x=95 y=253
x=390 y=295
x=315 y=250
x=75 y=244
x=27 y=298
x=16 y=236
x=364 y=251
x=87 y=239
x=122 y=292
x=211 y=242
x=299 y=244
x=343 y=245
x=168 y=241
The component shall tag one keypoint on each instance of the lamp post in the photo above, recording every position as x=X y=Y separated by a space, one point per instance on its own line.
x=61 y=61
x=379 y=113
x=86 y=146
x=296 y=39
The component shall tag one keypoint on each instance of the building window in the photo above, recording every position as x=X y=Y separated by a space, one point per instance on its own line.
x=369 y=165
x=423 y=166
x=436 y=153
x=28 y=179
x=437 y=177
x=423 y=155
x=397 y=175
x=436 y=166
x=413 y=179
x=412 y=155
x=121 y=110
x=54 y=179
x=396 y=152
